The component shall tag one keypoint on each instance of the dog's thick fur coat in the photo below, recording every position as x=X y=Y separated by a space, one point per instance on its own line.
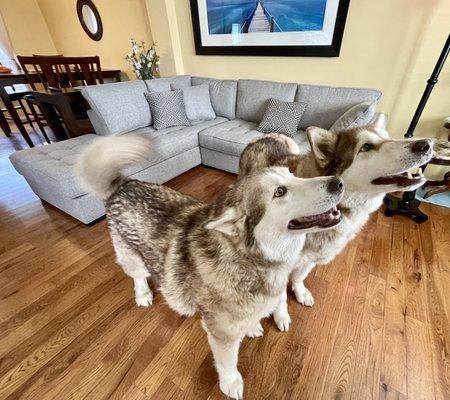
x=230 y=260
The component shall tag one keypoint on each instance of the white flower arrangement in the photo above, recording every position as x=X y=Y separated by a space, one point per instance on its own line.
x=144 y=62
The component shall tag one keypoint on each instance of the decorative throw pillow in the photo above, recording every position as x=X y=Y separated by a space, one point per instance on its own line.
x=359 y=115
x=197 y=102
x=281 y=117
x=167 y=109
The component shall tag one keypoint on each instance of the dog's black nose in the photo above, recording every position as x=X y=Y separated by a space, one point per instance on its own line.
x=335 y=185
x=421 y=146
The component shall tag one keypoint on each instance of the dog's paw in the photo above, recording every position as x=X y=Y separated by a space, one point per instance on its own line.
x=283 y=321
x=144 y=299
x=303 y=295
x=233 y=386
x=257 y=331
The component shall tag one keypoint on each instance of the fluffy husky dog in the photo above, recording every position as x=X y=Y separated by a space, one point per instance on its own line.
x=370 y=164
x=230 y=260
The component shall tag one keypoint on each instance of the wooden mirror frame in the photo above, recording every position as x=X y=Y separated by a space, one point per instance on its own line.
x=94 y=36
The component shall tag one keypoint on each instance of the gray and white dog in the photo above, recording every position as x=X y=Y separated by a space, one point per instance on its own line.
x=230 y=260
x=371 y=165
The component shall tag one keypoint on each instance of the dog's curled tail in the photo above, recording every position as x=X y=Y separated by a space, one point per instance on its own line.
x=100 y=166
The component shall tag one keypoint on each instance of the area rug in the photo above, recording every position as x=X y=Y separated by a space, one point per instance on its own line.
x=441 y=199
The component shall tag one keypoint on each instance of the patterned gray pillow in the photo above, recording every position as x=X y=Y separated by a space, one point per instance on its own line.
x=167 y=108
x=281 y=117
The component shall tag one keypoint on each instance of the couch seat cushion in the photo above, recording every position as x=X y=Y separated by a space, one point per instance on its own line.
x=231 y=137
x=169 y=142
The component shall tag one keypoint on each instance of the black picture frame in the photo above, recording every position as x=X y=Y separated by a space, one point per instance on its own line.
x=332 y=50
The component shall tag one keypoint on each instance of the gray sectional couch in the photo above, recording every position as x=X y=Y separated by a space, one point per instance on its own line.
x=121 y=108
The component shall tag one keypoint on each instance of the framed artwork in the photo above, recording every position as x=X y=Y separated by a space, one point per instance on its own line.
x=311 y=28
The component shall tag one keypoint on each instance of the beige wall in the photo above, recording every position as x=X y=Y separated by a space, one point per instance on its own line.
x=122 y=19
x=160 y=16
x=26 y=27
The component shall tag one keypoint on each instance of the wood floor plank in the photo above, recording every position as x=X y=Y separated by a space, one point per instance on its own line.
x=178 y=360
x=416 y=297
x=340 y=373
x=130 y=353
x=145 y=354
x=311 y=382
x=393 y=366
x=419 y=362
x=168 y=391
x=434 y=254
x=368 y=362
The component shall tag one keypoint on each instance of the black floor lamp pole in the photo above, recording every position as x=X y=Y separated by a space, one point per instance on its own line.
x=408 y=205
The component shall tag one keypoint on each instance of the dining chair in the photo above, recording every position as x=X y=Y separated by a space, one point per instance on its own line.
x=56 y=74
x=17 y=95
x=61 y=72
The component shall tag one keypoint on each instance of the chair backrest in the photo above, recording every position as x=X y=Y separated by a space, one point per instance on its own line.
x=60 y=72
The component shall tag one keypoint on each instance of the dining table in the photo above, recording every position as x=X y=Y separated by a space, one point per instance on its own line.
x=7 y=82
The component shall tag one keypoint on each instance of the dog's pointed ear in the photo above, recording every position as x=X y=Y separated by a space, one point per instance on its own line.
x=323 y=144
x=379 y=121
x=229 y=222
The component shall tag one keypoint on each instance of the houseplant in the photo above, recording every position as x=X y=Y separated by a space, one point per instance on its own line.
x=144 y=62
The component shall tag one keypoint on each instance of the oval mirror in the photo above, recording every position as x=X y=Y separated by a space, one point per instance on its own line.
x=90 y=19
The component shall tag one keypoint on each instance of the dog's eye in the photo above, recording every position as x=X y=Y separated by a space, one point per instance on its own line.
x=280 y=191
x=366 y=147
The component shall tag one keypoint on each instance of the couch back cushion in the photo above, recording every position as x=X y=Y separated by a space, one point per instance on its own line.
x=222 y=93
x=325 y=104
x=163 y=84
x=197 y=102
x=118 y=107
x=252 y=96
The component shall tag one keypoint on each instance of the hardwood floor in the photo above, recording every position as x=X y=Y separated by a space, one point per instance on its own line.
x=69 y=328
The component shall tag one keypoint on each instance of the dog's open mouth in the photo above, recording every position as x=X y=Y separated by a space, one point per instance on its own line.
x=325 y=220
x=403 y=179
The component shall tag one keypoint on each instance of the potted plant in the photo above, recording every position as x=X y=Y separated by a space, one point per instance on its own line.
x=144 y=62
